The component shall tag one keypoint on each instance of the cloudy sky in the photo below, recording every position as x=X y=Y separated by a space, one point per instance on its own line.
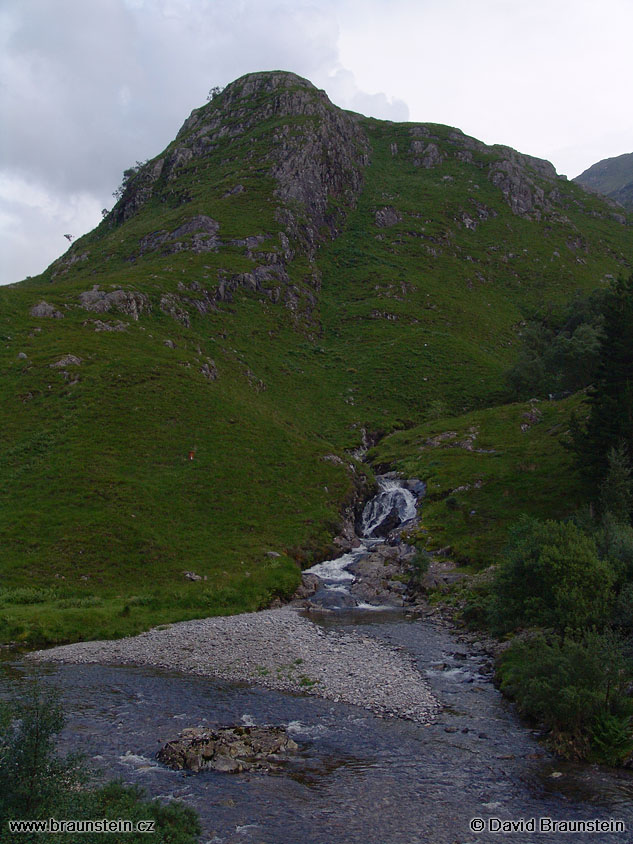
x=87 y=87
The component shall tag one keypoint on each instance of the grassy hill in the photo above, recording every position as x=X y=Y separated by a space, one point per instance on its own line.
x=282 y=277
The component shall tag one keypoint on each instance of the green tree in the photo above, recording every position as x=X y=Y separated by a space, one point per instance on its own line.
x=551 y=576
x=32 y=776
x=578 y=688
x=560 y=349
x=214 y=92
x=610 y=421
x=616 y=490
x=37 y=783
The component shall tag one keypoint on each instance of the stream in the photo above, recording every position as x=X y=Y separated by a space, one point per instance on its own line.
x=357 y=778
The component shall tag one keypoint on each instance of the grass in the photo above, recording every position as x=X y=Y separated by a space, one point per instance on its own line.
x=99 y=501
x=483 y=471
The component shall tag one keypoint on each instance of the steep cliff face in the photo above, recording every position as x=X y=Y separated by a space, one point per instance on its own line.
x=315 y=152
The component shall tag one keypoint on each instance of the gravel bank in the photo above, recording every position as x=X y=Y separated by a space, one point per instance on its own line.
x=279 y=649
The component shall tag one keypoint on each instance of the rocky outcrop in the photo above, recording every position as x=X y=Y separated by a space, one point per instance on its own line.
x=198 y=235
x=309 y=585
x=209 y=370
x=67 y=360
x=381 y=576
x=230 y=750
x=63 y=264
x=127 y=301
x=426 y=155
x=517 y=177
x=44 y=310
x=314 y=160
x=170 y=305
x=387 y=217
x=99 y=325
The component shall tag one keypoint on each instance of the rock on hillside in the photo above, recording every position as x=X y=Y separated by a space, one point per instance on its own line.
x=313 y=162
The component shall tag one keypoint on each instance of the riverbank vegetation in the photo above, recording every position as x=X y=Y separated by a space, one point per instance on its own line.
x=37 y=783
x=544 y=490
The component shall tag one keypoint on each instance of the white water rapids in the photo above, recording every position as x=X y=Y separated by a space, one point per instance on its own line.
x=392 y=507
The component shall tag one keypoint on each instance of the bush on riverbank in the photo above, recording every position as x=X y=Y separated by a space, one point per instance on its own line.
x=38 y=783
x=571 y=583
x=577 y=688
x=551 y=576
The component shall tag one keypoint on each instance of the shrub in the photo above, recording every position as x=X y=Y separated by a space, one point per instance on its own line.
x=419 y=566
x=35 y=782
x=577 y=688
x=551 y=576
x=614 y=540
x=616 y=489
x=32 y=777
x=26 y=595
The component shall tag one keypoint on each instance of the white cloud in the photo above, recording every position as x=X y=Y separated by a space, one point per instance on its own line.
x=343 y=90
x=35 y=221
x=542 y=76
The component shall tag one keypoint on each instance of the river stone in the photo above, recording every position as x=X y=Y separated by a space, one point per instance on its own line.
x=416 y=486
x=377 y=594
x=228 y=749
x=309 y=585
x=332 y=599
x=373 y=567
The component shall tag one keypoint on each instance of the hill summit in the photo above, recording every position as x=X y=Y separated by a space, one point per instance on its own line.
x=186 y=388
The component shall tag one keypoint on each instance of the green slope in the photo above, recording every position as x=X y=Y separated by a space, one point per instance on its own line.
x=486 y=468
x=281 y=277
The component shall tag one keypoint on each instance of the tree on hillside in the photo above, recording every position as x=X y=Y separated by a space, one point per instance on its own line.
x=560 y=350
x=617 y=488
x=610 y=422
x=551 y=576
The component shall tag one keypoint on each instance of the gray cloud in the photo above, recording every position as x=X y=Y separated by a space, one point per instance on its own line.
x=90 y=87
x=87 y=87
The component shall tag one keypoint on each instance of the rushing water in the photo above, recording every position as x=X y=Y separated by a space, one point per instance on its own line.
x=357 y=779
x=394 y=506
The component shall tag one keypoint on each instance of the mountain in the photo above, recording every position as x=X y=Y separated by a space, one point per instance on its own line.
x=183 y=389
x=613 y=177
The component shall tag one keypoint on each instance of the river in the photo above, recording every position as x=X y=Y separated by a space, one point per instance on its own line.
x=358 y=778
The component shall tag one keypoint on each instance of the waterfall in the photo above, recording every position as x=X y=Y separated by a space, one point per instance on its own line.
x=392 y=507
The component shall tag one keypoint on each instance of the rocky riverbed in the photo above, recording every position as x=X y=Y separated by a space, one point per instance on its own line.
x=279 y=649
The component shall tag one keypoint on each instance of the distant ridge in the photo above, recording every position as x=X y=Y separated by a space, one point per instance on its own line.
x=612 y=177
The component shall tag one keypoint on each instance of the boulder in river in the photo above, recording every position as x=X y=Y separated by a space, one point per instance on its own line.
x=228 y=749
x=389 y=522
x=309 y=585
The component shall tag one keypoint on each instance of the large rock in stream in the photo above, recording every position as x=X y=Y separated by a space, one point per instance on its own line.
x=379 y=577
x=228 y=749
